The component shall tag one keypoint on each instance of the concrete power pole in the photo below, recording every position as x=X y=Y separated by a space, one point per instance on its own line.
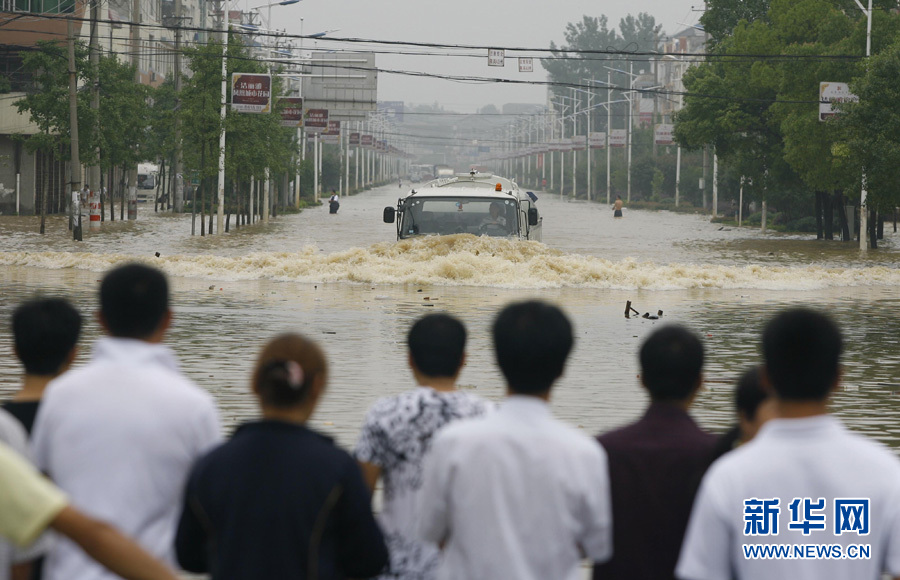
x=136 y=61
x=177 y=176
x=94 y=170
x=75 y=163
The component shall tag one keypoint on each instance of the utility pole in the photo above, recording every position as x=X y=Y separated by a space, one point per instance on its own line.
x=94 y=170
x=220 y=214
x=177 y=174
x=75 y=163
x=136 y=62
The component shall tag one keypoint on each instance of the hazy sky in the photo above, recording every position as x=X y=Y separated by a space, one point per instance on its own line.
x=504 y=23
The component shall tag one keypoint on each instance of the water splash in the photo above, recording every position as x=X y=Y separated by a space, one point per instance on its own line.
x=472 y=261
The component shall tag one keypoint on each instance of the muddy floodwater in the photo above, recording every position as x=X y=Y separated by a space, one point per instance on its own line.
x=344 y=280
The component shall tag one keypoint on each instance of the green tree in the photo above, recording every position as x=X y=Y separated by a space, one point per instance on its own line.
x=47 y=103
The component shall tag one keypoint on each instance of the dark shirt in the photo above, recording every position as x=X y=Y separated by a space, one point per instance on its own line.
x=279 y=501
x=24 y=411
x=655 y=467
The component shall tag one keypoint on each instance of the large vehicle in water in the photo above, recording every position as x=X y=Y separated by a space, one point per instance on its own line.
x=474 y=203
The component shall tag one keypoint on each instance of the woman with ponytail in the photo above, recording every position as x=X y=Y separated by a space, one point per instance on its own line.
x=279 y=500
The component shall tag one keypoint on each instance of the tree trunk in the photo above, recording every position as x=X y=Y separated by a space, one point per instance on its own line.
x=122 y=195
x=873 y=229
x=828 y=202
x=819 y=233
x=880 y=226
x=842 y=215
x=44 y=194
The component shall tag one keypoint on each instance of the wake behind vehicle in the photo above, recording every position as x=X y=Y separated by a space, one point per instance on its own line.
x=476 y=203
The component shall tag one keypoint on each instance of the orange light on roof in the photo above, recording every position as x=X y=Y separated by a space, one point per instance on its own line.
x=498 y=187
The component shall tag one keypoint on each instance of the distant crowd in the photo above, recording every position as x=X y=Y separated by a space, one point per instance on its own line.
x=118 y=468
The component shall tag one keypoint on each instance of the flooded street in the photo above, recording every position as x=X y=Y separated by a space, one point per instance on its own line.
x=344 y=281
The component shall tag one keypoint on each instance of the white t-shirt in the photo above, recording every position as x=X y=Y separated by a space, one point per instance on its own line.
x=119 y=436
x=757 y=503
x=396 y=436
x=516 y=495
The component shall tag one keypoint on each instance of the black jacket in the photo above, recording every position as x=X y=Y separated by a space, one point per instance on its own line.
x=278 y=501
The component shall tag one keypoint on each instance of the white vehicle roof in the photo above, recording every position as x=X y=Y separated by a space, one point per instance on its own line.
x=468 y=185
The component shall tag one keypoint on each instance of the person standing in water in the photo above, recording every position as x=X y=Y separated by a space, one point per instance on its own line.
x=617 y=207
x=334 y=203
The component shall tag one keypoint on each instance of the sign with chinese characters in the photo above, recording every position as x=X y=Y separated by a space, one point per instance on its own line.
x=354 y=138
x=618 y=137
x=805 y=516
x=366 y=141
x=496 y=57
x=598 y=139
x=251 y=93
x=332 y=134
x=291 y=111
x=579 y=142
x=663 y=134
x=315 y=120
x=526 y=65
x=830 y=93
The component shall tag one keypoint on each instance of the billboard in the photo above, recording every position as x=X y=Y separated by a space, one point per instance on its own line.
x=618 y=137
x=833 y=93
x=392 y=110
x=332 y=134
x=345 y=83
x=315 y=120
x=291 y=111
x=663 y=134
x=598 y=139
x=251 y=93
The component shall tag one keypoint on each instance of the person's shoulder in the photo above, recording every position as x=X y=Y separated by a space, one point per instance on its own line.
x=460 y=432
x=872 y=452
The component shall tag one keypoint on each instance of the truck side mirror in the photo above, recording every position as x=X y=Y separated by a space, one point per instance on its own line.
x=389 y=215
x=532 y=216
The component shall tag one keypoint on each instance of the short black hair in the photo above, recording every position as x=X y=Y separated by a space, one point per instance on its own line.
x=437 y=343
x=134 y=300
x=532 y=341
x=802 y=349
x=45 y=331
x=749 y=392
x=671 y=363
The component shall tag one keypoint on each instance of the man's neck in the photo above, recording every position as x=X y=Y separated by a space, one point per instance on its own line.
x=33 y=388
x=544 y=396
x=442 y=384
x=800 y=409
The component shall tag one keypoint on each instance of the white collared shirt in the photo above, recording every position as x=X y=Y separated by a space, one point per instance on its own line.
x=516 y=495
x=813 y=458
x=119 y=436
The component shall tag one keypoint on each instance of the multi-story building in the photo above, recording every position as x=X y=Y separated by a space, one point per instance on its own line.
x=24 y=23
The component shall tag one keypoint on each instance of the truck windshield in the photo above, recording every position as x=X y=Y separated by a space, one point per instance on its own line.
x=459 y=215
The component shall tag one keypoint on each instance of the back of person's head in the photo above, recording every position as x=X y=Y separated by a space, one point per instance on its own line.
x=749 y=393
x=286 y=370
x=802 y=349
x=134 y=300
x=437 y=343
x=671 y=363
x=532 y=341
x=45 y=331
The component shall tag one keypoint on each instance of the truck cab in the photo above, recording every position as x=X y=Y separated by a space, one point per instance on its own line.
x=481 y=204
